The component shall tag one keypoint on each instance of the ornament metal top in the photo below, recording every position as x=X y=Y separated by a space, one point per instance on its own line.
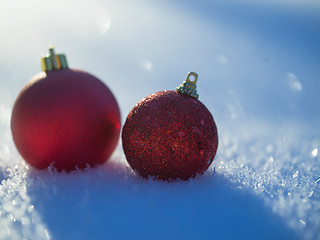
x=53 y=61
x=188 y=87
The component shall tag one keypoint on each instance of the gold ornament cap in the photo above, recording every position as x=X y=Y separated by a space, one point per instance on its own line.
x=53 y=61
x=189 y=87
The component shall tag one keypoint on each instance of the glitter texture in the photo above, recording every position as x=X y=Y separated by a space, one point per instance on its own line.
x=168 y=135
x=67 y=118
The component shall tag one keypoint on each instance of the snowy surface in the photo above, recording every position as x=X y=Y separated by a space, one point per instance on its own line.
x=259 y=66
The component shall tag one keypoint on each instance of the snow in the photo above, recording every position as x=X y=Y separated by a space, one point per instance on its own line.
x=258 y=67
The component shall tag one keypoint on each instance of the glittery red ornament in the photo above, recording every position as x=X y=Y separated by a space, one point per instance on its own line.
x=170 y=134
x=65 y=117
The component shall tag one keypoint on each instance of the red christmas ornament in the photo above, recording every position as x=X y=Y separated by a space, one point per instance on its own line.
x=170 y=134
x=65 y=117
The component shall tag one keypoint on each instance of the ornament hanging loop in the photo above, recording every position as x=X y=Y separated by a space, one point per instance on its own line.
x=189 y=87
x=195 y=77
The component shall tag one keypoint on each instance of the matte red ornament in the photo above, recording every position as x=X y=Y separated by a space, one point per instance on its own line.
x=170 y=134
x=65 y=118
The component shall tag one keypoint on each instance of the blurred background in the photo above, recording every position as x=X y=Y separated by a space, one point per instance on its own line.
x=255 y=59
x=258 y=64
